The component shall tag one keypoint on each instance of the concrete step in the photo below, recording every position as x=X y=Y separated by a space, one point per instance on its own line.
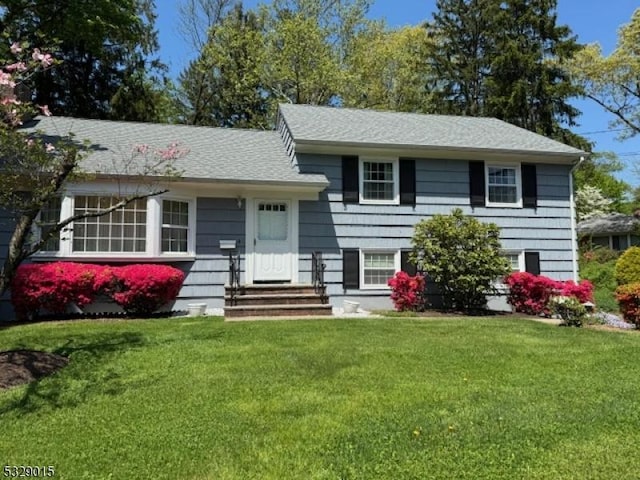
x=273 y=289
x=283 y=310
x=275 y=299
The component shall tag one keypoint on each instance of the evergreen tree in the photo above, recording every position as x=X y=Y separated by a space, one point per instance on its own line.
x=101 y=44
x=504 y=58
x=464 y=46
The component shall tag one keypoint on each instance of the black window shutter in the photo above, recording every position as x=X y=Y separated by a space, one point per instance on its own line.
x=405 y=265
x=350 y=180
x=407 y=182
x=529 y=186
x=476 y=184
x=532 y=262
x=350 y=269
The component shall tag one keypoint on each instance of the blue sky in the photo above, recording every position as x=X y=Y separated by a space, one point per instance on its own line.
x=591 y=20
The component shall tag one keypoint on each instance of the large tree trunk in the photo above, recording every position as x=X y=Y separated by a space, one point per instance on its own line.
x=16 y=253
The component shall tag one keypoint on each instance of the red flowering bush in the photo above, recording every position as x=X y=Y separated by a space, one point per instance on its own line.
x=139 y=289
x=530 y=293
x=628 y=297
x=407 y=292
x=143 y=289
x=52 y=286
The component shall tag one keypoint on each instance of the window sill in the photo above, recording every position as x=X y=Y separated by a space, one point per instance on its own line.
x=385 y=288
x=379 y=202
x=51 y=257
x=504 y=205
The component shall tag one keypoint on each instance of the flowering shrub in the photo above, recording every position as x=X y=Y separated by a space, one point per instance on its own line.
x=52 y=287
x=628 y=297
x=569 y=309
x=139 y=289
x=142 y=289
x=530 y=293
x=407 y=292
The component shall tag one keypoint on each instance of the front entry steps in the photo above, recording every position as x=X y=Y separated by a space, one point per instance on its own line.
x=276 y=300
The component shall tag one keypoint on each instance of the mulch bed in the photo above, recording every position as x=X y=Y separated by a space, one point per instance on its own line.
x=18 y=367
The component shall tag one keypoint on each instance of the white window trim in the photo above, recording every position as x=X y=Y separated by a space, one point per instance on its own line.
x=518 y=171
x=394 y=161
x=191 y=226
x=520 y=254
x=396 y=261
x=153 y=250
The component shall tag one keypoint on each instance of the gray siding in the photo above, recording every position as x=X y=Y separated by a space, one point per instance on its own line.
x=330 y=226
x=217 y=219
x=6 y=227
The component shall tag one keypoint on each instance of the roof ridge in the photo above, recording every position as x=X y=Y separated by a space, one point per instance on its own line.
x=31 y=123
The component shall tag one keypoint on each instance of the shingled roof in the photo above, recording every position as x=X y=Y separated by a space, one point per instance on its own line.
x=613 y=223
x=329 y=125
x=215 y=154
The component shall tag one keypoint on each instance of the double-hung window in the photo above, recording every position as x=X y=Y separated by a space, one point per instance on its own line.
x=175 y=226
x=516 y=260
x=49 y=217
x=503 y=185
x=379 y=181
x=378 y=268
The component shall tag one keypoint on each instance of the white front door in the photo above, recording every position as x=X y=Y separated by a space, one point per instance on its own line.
x=273 y=241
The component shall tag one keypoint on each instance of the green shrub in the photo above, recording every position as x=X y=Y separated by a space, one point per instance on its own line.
x=600 y=254
x=602 y=275
x=628 y=266
x=462 y=256
x=569 y=309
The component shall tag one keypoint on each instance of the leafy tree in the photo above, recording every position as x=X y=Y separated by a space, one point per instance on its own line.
x=598 y=171
x=225 y=85
x=389 y=69
x=461 y=255
x=302 y=66
x=612 y=81
x=340 y=20
x=103 y=46
x=197 y=17
x=590 y=203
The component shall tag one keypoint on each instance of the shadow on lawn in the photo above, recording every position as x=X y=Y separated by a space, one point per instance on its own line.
x=88 y=372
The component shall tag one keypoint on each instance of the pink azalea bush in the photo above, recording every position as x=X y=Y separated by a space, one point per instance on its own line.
x=530 y=293
x=143 y=289
x=138 y=289
x=407 y=292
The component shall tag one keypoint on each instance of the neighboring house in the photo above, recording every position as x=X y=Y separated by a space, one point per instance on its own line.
x=350 y=184
x=615 y=231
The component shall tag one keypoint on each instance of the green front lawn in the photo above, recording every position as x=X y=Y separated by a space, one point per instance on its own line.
x=327 y=399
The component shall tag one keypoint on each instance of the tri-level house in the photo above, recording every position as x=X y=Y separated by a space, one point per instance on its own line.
x=328 y=200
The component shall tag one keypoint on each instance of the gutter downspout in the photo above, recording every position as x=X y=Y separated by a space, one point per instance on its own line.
x=572 y=208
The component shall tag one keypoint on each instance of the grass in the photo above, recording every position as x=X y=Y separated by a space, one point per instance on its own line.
x=327 y=399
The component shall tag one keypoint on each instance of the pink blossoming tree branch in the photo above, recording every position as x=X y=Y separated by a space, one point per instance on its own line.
x=33 y=171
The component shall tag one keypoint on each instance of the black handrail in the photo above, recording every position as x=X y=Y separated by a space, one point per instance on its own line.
x=234 y=277
x=317 y=276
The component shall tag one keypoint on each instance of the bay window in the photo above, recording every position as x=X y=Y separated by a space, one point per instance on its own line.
x=144 y=228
